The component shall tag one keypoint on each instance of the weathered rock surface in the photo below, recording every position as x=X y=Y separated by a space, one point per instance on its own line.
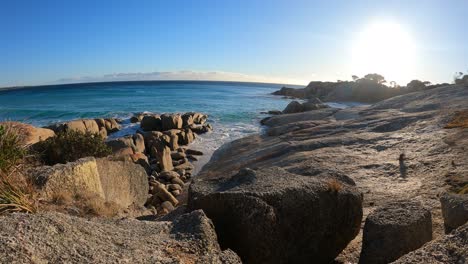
x=365 y=144
x=28 y=134
x=273 y=216
x=171 y=121
x=59 y=238
x=454 y=210
x=94 y=126
x=121 y=182
x=393 y=230
x=151 y=123
x=451 y=248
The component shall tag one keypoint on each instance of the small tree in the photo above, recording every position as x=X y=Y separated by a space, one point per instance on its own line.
x=355 y=77
x=416 y=85
x=375 y=77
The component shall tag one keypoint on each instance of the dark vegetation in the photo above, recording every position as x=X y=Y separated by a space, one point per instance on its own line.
x=71 y=146
x=17 y=194
x=371 y=88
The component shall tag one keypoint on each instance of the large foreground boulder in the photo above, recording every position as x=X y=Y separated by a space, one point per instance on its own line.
x=58 y=238
x=28 y=134
x=454 y=210
x=273 y=216
x=393 y=230
x=451 y=248
x=120 y=182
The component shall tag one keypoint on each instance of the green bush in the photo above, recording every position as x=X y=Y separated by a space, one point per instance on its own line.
x=71 y=146
x=11 y=151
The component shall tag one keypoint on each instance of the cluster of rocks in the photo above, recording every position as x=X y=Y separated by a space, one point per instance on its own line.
x=157 y=147
x=99 y=126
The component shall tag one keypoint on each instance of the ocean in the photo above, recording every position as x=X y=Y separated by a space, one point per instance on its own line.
x=234 y=109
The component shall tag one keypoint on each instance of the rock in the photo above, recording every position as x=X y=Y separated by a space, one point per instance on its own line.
x=151 y=123
x=137 y=118
x=454 y=210
x=187 y=120
x=176 y=192
x=451 y=248
x=167 y=207
x=121 y=182
x=171 y=121
x=163 y=155
x=274 y=112
x=141 y=159
x=168 y=175
x=58 y=238
x=273 y=216
x=293 y=107
x=28 y=134
x=101 y=123
x=177 y=180
x=111 y=125
x=91 y=126
x=121 y=143
x=172 y=187
x=178 y=155
x=103 y=132
x=124 y=151
x=199 y=118
x=193 y=152
x=173 y=142
x=186 y=137
x=192 y=158
x=393 y=230
x=139 y=143
x=160 y=191
x=184 y=166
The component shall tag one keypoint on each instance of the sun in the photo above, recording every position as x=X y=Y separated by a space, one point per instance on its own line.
x=385 y=48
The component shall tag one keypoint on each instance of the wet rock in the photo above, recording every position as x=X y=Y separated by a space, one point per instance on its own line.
x=394 y=230
x=293 y=107
x=454 y=210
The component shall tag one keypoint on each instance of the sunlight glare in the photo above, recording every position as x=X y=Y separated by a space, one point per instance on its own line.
x=387 y=49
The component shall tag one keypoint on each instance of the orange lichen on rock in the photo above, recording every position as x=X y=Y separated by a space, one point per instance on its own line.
x=459 y=120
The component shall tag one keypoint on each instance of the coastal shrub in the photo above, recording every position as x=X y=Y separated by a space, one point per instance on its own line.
x=11 y=151
x=83 y=204
x=17 y=194
x=70 y=146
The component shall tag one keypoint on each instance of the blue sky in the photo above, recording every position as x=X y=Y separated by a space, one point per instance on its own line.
x=295 y=41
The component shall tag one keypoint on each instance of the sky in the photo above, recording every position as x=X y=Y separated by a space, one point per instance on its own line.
x=293 y=41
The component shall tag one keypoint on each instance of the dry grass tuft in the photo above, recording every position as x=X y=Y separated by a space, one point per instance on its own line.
x=334 y=185
x=459 y=120
x=17 y=194
x=82 y=204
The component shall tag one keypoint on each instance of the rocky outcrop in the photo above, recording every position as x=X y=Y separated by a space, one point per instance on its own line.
x=273 y=216
x=171 y=121
x=363 y=143
x=454 y=210
x=393 y=230
x=120 y=145
x=28 y=134
x=121 y=182
x=310 y=105
x=151 y=123
x=451 y=248
x=94 y=126
x=59 y=238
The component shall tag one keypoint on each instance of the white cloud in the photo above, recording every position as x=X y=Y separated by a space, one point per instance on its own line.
x=181 y=75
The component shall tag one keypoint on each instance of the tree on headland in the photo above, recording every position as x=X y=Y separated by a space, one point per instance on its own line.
x=355 y=77
x=375 y=77
x=416 y=85
x=459 y=78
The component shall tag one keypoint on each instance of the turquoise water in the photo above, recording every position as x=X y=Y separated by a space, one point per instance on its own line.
x=224 y=102
x=233 y=108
